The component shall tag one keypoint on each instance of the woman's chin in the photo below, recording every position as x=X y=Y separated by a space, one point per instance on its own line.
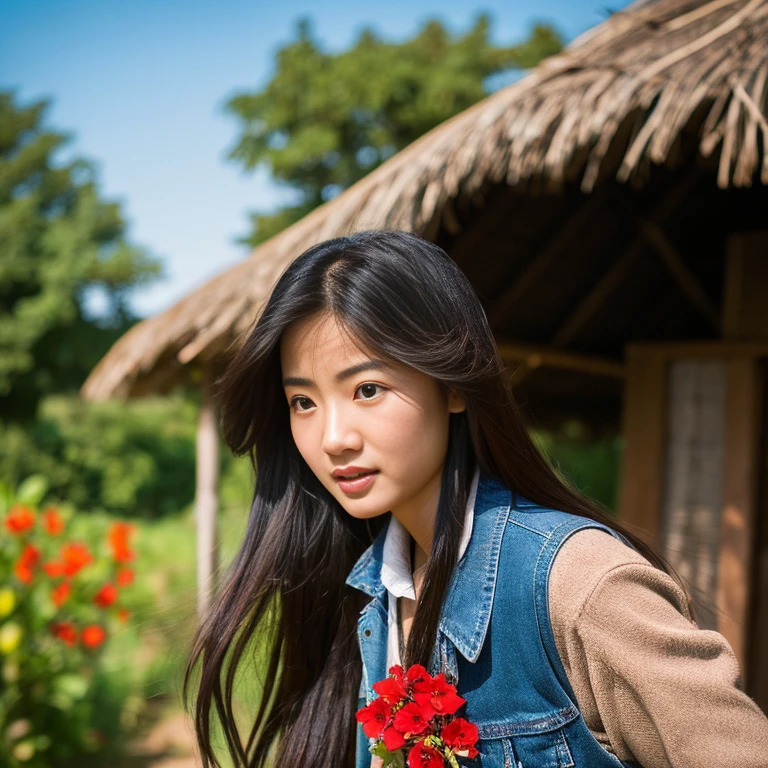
x=364 y=511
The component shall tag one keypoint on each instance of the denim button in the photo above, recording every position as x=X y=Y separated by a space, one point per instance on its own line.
x=367 y=632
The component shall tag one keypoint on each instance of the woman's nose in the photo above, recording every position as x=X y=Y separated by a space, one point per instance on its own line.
x=341 y=433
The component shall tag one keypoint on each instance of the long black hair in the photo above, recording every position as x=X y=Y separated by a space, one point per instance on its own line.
x=284 y=600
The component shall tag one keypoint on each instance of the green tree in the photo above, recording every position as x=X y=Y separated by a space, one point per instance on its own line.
x=57 y=239
x=326 y=120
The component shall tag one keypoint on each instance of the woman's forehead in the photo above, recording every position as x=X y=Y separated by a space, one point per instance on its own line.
x=324 y=340
x=324 y=332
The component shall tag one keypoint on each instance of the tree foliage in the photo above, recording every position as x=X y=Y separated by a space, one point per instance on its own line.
x=57 y=239
x=134 y=459
x=325 y=120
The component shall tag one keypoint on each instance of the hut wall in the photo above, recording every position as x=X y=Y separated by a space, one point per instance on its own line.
x=694 y=484
x=693 y=477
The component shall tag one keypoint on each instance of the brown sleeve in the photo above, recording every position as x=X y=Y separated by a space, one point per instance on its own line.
x=651 y=685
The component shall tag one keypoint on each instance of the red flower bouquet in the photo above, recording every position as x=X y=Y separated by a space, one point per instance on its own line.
x=413 y=721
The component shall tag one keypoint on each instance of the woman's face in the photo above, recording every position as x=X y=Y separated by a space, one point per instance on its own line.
x=347 y=409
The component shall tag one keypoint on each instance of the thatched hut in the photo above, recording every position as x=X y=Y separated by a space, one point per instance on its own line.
x=610 y=209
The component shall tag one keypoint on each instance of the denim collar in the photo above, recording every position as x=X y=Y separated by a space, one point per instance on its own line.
x=467 y=608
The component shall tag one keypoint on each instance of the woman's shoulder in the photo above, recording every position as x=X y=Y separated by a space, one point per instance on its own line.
x=591 y=552
x=596 y=576
x=582 y=562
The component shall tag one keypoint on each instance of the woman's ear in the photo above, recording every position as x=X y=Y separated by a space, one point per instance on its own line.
x=456 y=402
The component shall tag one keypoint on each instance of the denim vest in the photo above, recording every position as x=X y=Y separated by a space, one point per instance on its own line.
x=495 y=645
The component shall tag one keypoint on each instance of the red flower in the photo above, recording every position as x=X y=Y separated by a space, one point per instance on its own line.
x=60 y=594
x=391 y=689
x=65 y=630
x=415 y=676
x=106 y=596
x=423 y=756
x=393 y=739
x=438 y=694
x=28 y=559
x=374 y=717
x=19 y=519
x=54 y=569
x=54 y=525
x=123 y=615
x=75 y=557
x=124 y=577
x=117 y=536
x=461 y=735
x=93 y=635
x=413 y=718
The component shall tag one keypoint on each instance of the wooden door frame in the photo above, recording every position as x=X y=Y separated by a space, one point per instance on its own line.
x=641 y=488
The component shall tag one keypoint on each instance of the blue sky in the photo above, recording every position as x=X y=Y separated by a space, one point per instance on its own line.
x=141 y=85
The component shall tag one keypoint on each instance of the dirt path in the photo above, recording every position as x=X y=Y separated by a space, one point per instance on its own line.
x=168 y=744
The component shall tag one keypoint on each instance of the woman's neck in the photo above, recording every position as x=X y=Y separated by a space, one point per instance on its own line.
x=418 y=516
x=418 y=556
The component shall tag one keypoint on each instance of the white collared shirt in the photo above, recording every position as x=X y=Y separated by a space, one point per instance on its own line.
x=396 y=573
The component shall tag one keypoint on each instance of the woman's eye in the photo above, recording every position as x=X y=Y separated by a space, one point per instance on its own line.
x=368 y=390
x=294 y=403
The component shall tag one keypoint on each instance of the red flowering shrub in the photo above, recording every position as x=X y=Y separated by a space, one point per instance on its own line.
x=60 y=597
x=118 y=541
x=54 y=524
x=106 y=596
x=19 y=519
x=64 y=630
x=413 y=720
x=24 y=566
x=93 y=635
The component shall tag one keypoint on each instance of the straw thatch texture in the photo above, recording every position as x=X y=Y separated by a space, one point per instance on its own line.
x=615 y=103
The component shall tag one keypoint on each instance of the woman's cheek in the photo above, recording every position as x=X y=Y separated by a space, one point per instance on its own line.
x=304 y=442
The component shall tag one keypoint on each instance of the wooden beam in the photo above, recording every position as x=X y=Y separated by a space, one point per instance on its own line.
x=690 y=286
x=480 y=215
x=731 y=350
x=206 y=495
x=590 y=304
x=536 y=357
x=563 y=238
x=595 y=298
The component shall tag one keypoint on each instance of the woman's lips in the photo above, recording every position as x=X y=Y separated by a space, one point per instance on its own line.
x=359 y=483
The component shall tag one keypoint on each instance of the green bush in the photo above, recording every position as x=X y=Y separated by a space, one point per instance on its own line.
x=589 y=462
x=132 y=459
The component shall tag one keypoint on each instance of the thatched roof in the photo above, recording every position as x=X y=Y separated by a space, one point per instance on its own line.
x=617 y=102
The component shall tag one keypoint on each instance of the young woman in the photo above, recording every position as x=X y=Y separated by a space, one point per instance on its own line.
x=402 y=514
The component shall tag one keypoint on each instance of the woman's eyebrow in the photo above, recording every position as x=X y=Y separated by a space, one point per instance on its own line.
x=295 y=381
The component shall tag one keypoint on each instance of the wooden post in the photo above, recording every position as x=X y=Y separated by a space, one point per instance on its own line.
x=741 y=487
x=745 y=310
x=644 y=413
x=743 y=584
x=206 y=501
